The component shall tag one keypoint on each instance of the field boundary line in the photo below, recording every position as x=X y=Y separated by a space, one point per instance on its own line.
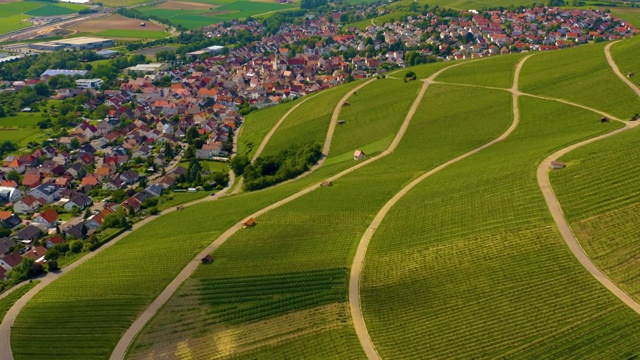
x=616 y=70
x=132 y=332
x=358 y=260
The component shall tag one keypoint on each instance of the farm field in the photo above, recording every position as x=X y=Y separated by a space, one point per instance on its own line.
x=299 y=259
x=7 y=302
x=598 y=195
x=626 y=54
x=373 y=115
x=257 y=125
x=309 y=122
x=498 y=74
x=631 y=15
x=193 y=14
x=12 y=14
x=581 y=75
x=21 y=136
x=20 y=120
x=122 y=27
x=474 y=244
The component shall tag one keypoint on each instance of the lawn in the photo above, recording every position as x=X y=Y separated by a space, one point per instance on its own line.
x=499 y=74
x=581 y=75
x=380 y=20
x=50 y=10
x=598 y=194
x=22 y=136
x=21 y=120
x=471 y=260
x=373 y=115
x=12 y=23
x=284 y=281
x=7 y=302
x=137 y=34
x=309 y=122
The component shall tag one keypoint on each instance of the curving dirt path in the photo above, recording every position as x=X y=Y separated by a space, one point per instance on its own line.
x=358 y=260
x=12 y=314
x=556 y=210
x=129 y=336
x=614 y=67
x=266 y=139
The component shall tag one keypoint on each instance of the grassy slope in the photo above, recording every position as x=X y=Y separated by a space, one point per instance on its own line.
x=499 y=74
x=294 y=264
x=257 y=125
x=631 y=15
x=374 y=116
x=581 y=75
x=470 y=260
x=599 y=195
x=626 y=54
x=111 y=289
x=308 y=123
x=7 y=302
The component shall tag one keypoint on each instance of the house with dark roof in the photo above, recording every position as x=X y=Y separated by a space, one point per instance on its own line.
x=5 y=245
x=28 y=234
x=9 y=220
x=80 y=201
x=48 y=192
x=10 y=261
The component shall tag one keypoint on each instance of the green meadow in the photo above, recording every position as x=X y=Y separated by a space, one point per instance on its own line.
x=12 y=14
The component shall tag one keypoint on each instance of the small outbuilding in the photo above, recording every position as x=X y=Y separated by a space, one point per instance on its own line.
x=555 y=165
x=341 y=122
x=358 y=155
x=346 y=103
x=604 y=119
x=251 y=222
x=207 y=260
x=630 y=75
x=327 y=183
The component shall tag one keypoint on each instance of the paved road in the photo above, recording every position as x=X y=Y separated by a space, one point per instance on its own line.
x=607 y=53
x=358 y=260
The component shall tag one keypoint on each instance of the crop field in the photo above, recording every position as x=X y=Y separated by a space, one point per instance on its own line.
x=626 y=55
x=111 y=289
x=12 y=14
x=498 y=73
x=7 y=302
x=193 y=16
x=294 y=264
x=309 y=122
x=474 y=258
x=373 y=115
x=581 y=75
x=257 y=125
x=119 y=26
x=598 y=194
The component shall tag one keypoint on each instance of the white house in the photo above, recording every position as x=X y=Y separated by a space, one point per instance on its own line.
x=47 y=192
x=27 y=205
x=9 y=194
x=89 y=83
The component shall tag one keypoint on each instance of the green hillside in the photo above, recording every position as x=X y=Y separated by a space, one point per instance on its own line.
x=468 y=263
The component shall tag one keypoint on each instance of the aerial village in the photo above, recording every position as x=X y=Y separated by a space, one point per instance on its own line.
x=75 y=186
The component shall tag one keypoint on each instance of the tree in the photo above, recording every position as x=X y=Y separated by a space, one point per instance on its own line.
x=53 y=265
x=74 y=144
x=2 y=112
x=42 y=89
x=15 y=176
x=87 y=213
x=76 y=246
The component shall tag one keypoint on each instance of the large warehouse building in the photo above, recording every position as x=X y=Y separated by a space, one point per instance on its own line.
x=79 y=43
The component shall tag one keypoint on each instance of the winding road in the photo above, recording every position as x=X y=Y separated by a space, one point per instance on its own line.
x=358 y=260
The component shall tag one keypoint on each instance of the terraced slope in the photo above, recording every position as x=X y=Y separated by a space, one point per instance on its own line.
x=298 y=255
x=470 y=260
x=257 y=125
x=498 y=74
x=581 y=75
x=626 y=54
x=308 y=123
x=598 y=194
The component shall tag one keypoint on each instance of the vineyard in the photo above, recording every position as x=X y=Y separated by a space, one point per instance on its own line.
x=581 y=75
x=469 y=263
x=599 y=196
x=458 y=249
